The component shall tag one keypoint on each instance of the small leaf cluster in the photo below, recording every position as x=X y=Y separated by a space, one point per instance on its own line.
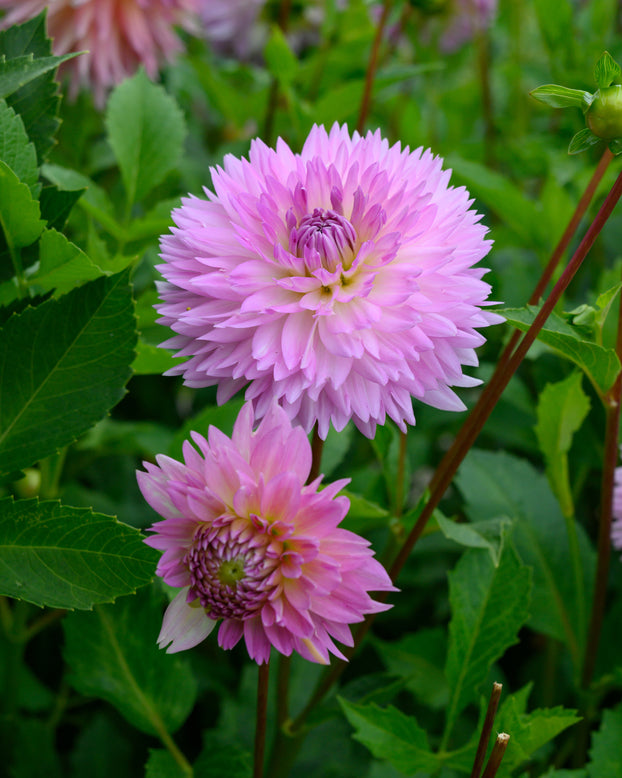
x=602 y=109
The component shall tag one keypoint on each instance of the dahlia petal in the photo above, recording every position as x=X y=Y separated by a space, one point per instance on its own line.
x=183 y=626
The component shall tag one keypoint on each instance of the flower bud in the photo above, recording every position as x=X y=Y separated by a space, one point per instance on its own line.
x=604 y=116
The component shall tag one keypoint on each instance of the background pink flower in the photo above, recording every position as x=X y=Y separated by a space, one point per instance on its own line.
x=616 y=527
x=467 y=18
x=339 y=281
x=252 y=545
x=120 y=35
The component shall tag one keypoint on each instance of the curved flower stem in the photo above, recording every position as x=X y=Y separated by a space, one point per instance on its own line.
x=371 y=67
x=469 y=432
x=612 y=401
x=262 y=707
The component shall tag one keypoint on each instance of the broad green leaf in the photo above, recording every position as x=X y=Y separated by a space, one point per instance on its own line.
x=34 y=750
x=606 y=71
x=601 y=365
x=73 y=356
x=63 y=557
x=529 y=731
x=561 y=97
x=62 y=265
x=222 y=758
x=488 y=534
x=162 y=765
x=56 y=205
x=419 y=658
x=280 y=59
x=146 y=131
x=16 y=150
x=364 y=514
x=391 y=735
x=106 y=735
x=562 y=408
x=605 y=753
x=112 y=653
x=19 y=71
x=495 y=484
x=583 y=140
x=20 y=217
x=37 y=102
x=489 y=604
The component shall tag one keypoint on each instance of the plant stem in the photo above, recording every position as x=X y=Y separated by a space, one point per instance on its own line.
x=498 y=750
x=273 y=95
x=282 y=690
x=612 y=401
x=262 y=708
x=317 y=446
x=401 y=470
x=371 y=67
x=491 y=394
x=482 y=746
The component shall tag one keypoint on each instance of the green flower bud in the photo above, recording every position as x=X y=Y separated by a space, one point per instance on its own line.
x=604 y=116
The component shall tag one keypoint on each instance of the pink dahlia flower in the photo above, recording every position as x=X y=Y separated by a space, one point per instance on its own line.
x=252 y=545
x=339 y=281
x=120 y=35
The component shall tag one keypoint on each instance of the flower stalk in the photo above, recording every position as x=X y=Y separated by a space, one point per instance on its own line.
x=261 y=719
x=482 y=746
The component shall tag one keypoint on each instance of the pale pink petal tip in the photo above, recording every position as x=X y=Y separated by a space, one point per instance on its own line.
x=257 y=548
x=183 y=626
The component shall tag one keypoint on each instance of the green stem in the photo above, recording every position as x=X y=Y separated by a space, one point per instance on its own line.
x=51 y=470
x=371 y=67
x=262 y=708
x=401 y=472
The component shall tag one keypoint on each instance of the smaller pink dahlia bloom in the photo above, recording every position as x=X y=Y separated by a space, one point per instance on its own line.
x=341 y=281
x=120 y=35
x=616 y=526
x=252 y=545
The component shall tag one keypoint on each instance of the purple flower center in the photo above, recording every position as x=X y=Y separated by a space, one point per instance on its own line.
x=228 y=576
x=327 y=233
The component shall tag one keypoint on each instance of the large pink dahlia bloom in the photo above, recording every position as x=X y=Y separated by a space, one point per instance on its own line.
x=252 y=545
x=120 y=35
x=339 y=280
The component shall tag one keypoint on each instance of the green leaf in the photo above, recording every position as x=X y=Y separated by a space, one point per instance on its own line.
x=489 y=604
x=19 y=213
x=562 y=408
x=112 y=654
x=153 y=360
x=605 y=753
x=336 y=447
x=482 y=534
x=529 y=731
x=146 y=131
x=74 y=355
x=601 y=365
x=606 y=71
x=555 y=19
x=219 y=758
x=561 y=97
x=162 y=765
x=582 y=141
x=38 y=101
x=62 y=265
x=15 y=148
x=280 y=59
x=56 y=205
x=494 y=484
x=392 y=736
x=67 y=557
x=16 y=73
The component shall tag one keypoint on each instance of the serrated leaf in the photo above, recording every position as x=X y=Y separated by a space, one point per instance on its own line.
x=489 y=605
x=562 y=408
x=606 y=71
x=583 y=140
x=38 y=101
x=112 y=654
x=56 y=205
x=391 y=735
x=16 y=150
x=482 y=534
x=63 y=557
x=19 y=213
x=16 y=73
x=605 y=753
x=601 y=365
x=562 y=97
x=493 y=484
x=146 y=131
x=63 y=365
x=529 y=731
x=62 y=265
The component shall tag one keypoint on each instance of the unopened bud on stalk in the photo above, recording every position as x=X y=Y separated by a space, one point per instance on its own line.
x=604 y=116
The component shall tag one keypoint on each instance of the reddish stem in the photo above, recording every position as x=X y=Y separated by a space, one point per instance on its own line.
x=371 y=67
